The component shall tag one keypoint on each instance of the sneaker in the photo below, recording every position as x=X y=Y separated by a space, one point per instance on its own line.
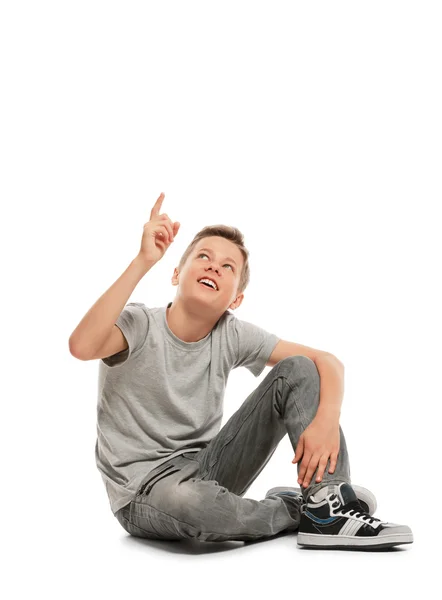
x=365 y=497
x=334 y=518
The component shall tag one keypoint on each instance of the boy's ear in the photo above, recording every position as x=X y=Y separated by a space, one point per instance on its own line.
x=237 y=302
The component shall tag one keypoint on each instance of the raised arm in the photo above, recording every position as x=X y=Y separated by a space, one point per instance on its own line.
x=96 y=333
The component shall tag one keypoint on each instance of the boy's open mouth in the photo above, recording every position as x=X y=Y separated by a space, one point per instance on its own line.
x=207 y=285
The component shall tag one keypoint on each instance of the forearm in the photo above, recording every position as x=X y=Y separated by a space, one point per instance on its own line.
x=331 y=394
x=96 y=325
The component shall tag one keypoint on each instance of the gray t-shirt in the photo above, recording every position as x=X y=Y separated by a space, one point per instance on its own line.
x=162 y=396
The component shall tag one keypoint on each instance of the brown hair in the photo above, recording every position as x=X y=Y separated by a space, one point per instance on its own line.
x=230 y=233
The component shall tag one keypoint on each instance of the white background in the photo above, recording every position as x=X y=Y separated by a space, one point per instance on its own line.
x=315 y=128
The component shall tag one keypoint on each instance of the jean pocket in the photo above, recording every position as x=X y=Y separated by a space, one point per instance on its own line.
x=152 y=479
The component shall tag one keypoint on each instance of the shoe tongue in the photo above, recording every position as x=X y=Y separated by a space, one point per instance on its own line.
x=346 y=493
x=324 y=491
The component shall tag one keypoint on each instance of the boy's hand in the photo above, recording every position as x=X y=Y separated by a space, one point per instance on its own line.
x=319 y=442
x=158 y=234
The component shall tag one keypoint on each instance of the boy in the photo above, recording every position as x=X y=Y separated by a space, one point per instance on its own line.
x=169 y=470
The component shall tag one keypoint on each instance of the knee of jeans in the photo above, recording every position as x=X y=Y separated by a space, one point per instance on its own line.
x=189 y=500
x=299 y=366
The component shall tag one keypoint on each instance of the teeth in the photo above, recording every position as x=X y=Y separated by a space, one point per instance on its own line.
x=209 y=282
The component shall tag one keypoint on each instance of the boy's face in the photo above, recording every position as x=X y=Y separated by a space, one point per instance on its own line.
x=218 y=259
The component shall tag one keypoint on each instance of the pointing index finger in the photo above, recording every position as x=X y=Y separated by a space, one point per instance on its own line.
x=157 y=206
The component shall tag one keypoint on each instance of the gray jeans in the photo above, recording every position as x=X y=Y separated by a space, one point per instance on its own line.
x=199 y=495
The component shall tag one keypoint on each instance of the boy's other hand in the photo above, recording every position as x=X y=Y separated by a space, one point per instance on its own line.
x=318 y=442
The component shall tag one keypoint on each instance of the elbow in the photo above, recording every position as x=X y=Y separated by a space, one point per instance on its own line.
x=336 y=360
x=75 y=350
x=341 y=364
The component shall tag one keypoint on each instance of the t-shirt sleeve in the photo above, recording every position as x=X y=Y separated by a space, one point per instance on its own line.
x=254 y=346
x=134 y=324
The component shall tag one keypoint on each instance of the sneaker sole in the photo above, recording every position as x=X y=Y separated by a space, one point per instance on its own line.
x=337 y=542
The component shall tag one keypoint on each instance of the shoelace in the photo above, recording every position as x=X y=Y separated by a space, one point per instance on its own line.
x=354 y=509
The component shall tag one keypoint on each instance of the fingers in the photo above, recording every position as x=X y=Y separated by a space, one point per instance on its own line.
x=333 y=461
x=321 y=468
x=166 y=235
x=157 y=206
x=303 y=467
x=299 y=450
x=312 y=465
x=309 y=466
x=168 y=225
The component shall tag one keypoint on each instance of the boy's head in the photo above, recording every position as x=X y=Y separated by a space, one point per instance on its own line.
x=216 y=252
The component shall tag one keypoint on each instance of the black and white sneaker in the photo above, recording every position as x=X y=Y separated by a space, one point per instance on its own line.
x=334 y=518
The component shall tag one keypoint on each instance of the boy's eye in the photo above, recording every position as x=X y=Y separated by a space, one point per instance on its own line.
x=204 y=254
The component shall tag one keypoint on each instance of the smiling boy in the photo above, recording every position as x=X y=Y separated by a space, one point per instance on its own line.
x=170 y=470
